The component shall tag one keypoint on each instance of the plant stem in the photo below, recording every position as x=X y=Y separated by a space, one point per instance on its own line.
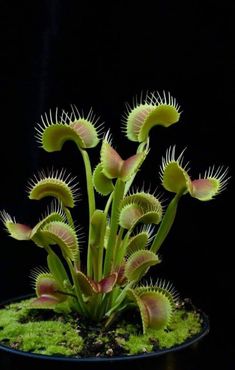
x=95 y=255
x=115 y=262
x=166 y=223
x=68 y=216
x=108 y=204
x=56 y=267
x=100 y=262
x=120 y=298
x=91 y=202
x=118 y=243
x=117 y=198
x=81 y=306
x=122 y=249
x=141 y=148
x=96 y=307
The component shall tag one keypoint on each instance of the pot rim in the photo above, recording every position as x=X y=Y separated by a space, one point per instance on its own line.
x=87 y=360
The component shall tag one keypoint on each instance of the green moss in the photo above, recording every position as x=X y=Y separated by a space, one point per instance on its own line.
x=14 y=312
x=56 y=334
x=57 y=338
x=184 y=325
x=45 y=337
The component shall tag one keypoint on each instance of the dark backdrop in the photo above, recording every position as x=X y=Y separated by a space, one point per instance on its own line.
x=53 y=53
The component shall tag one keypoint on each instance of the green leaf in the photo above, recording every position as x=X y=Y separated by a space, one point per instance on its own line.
x=77 y=128
x=45 y=302
x=155 y=308
x=87 y=285
x=103 y=185
x=144 y=200
x=110 y=160
x=166 y=223
x=54 y=137
x=59 y=185
x=163 y=115
x=138 y=264
x=98 y=227
x=55 y=213
x=153 y=110
x=113 y=166
x=64 y=236
x=16 y=230
x=131 y=165
x=86 y=131
x=57 y=268
x=142 y=308
x=212 y=184
x=107 y=284
x=48 y=291
x=137 y=242
x=173 y=172
x=139 y=208
x=90 y=287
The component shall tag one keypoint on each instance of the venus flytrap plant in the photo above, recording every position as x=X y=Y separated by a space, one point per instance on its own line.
x=125 y=236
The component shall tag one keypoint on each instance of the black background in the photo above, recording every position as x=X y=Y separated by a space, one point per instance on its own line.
x=53 y=53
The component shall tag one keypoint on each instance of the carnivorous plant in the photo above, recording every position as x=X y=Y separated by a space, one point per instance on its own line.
x=124 y=236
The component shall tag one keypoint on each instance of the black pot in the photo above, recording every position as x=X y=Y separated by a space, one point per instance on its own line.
x=165 y=359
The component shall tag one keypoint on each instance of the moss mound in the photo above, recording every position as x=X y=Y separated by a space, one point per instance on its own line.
x=49 y=333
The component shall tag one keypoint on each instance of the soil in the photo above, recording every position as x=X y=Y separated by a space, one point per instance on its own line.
x=69 y=335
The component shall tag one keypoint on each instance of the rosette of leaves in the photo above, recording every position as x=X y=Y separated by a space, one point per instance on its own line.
x=125 y=235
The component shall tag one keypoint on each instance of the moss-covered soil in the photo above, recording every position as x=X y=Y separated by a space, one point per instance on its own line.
x=49 y=333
